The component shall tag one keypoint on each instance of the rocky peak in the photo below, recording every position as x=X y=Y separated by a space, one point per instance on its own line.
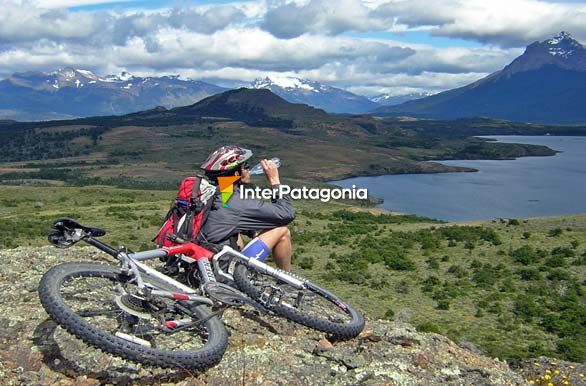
x=313 y=93
x=289 y=83
x=563 y=45
x=72 y=77
x=562 y=51
x=123 y=77
x=561 y=38
x=263 y=349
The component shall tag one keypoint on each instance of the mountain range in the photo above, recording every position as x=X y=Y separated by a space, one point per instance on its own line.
x=69 y=93
x=546 y=84
x=330 y=99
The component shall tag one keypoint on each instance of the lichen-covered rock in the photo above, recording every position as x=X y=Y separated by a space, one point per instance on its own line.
x=263 y=350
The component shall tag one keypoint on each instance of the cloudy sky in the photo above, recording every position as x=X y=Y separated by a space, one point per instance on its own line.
x=366 y=46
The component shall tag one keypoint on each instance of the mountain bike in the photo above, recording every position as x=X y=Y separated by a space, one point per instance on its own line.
x=170 y=319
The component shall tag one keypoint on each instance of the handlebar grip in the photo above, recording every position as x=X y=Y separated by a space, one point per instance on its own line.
x=176 y=239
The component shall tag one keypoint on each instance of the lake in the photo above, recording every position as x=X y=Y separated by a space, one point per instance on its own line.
x=525 y=187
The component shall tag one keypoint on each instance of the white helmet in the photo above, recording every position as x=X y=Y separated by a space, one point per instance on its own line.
x=225 y=159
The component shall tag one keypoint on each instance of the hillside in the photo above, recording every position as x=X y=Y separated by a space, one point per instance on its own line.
x=255 y=107
x=33 y=350
x=546 y=84
x=472 y=282
x=509 y=289
x=155 y=148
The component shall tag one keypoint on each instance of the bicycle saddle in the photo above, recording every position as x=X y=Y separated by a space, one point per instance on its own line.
x=68 y=232
x=69 y=224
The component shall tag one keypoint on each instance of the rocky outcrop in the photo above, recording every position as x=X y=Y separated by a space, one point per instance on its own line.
x=263 y=349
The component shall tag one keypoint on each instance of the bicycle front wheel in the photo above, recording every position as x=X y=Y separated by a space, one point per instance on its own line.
x=311 y=306
x=100 y=305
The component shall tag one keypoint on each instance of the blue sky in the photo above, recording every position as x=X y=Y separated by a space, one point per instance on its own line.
x=366 y=46
x=143 y=4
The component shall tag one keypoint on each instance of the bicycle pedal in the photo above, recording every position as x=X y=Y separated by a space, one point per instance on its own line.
x=270 y=296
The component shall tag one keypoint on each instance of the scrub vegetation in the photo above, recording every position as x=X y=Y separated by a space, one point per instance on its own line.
x=514 y=288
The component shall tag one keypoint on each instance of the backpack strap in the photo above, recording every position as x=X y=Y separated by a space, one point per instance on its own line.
x=194 y=200
x=196 y=186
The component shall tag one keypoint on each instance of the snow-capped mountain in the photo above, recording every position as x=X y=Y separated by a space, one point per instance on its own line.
x=546 y=84
x=330 y=99
x=391 y=100
x=70 y=92
x=561 y=51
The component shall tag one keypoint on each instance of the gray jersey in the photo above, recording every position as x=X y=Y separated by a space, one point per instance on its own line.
x=245 y=215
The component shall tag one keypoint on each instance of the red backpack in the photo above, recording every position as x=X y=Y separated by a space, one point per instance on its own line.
x=186 y=215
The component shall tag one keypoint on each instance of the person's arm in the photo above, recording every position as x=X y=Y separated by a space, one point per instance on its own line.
x=258 y=214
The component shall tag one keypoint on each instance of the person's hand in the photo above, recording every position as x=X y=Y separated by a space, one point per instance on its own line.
x=271 y=172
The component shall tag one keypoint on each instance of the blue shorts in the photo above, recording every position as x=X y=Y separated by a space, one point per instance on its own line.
x=257 y=249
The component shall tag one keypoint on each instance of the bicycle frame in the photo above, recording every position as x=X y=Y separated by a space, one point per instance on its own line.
x=190 y=253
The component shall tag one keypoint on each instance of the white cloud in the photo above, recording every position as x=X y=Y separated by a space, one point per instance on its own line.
x=506 y=23
x=250 y=47
x=514 y=23
x=245 y=40
x=21 y=24
x=321 y=16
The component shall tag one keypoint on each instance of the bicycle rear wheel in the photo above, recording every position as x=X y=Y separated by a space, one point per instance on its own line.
x=312 y=306
x=100 y=305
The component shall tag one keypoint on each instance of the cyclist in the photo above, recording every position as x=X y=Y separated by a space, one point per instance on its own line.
x=265 y=220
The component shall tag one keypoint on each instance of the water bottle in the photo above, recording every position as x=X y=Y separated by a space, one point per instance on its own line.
x=257 y=169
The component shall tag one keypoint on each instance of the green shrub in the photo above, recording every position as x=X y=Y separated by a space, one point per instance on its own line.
x=563 y=251
x=529 y=274
x=430 y=283
x=457 y=271
x=556 y=261
x=580 y=261
x=400 y=263
x=307 y=262
x=389 y=314
x=402 y=287
x=572 y=350
x=558 y=274
x=526 y=255
x=378 y=284
x=428 y=327
x=527 y=307
x=330 y=266
x=443 y=304
x=555 y=232
x=508 y=285
x=432 y=262
x=495 y=308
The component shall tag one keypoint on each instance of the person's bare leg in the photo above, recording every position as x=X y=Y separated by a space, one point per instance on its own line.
x=240 y=241
x=279 y=241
